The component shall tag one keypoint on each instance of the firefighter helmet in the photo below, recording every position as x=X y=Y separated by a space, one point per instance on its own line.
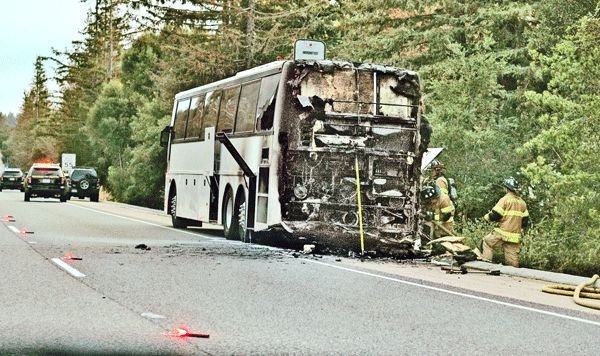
x=429 y=192
x=436 y=165
x=511 y=184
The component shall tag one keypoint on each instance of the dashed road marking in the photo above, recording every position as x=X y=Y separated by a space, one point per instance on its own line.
x=152 y=316
x=68 y=268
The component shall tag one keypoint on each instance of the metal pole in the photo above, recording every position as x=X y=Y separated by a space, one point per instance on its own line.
x=362 y=241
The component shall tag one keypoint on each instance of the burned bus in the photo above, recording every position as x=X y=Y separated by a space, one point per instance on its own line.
x=281 y=151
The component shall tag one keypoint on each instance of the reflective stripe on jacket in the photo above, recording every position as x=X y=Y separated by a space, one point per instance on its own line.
x=512 y=209
x=443 y=207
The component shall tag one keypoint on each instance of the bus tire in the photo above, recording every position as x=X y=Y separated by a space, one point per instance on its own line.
x=178 y=223
x=230 y=218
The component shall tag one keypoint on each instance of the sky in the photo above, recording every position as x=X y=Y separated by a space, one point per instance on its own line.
x=31 y=28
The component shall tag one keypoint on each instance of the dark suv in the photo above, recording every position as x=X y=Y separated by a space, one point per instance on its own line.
x=84 y=182
x=11 y=179
x=46 y=181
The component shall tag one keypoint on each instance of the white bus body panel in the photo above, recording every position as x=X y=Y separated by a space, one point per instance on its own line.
x=191 y=166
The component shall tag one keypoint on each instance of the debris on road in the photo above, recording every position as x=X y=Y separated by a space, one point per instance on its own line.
x=308 y=249
x=143 y=247
x=464 y=270
x=459 y=252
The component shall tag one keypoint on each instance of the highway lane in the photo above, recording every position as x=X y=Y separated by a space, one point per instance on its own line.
x=250 y=299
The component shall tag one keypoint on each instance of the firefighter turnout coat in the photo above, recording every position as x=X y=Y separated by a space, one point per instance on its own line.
x=511 y=216
x=443 y=213
x=442 y=183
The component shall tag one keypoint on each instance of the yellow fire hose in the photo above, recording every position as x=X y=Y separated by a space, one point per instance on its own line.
x=581 y=290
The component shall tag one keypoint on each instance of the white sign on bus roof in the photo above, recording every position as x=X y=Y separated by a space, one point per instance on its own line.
x=309 y=49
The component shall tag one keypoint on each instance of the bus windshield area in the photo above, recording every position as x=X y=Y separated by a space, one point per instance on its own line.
x=358 y=107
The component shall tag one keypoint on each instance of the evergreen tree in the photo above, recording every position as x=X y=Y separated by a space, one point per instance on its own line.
x=33 y=139
x=4 y=134
x=564 y=169
x=108 y=125
x=82 y=71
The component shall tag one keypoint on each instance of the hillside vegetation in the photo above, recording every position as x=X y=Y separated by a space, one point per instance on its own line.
x=511 y=89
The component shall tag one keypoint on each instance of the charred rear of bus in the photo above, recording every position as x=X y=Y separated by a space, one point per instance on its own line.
x=338 y=116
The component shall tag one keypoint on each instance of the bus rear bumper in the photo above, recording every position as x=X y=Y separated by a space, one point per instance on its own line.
x=339 y=239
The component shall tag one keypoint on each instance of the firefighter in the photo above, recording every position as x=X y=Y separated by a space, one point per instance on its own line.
x=511 y=216
x=439 y=211
x=437 y=172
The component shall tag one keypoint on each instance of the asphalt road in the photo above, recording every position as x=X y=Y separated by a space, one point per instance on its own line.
x=249 y=299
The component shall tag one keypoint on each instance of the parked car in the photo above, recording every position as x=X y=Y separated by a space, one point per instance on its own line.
x=46 y=181
x=11 y=179
x=84 y=182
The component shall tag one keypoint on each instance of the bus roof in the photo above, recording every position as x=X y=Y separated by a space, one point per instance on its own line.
x=277 y=66
x=240 y=77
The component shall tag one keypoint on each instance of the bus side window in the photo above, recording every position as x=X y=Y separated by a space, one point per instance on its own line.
x=266 y=103
x=366 y=92
x=247 y=107
x=228 y=109
x=339 y=85
x=181 y=117
x=390 y=92
x=194 y=126
x=211 y=109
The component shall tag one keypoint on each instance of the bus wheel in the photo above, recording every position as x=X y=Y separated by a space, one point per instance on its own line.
x=178 y=223
x=240 y=209
x=230 y=218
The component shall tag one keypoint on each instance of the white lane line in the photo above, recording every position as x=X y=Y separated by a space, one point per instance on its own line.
x=68 y=268
x=149 y=223
x=152 y=316
x=457 y=293
x=14 y=229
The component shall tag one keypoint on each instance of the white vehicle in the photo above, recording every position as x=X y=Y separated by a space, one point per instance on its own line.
x=276 y=150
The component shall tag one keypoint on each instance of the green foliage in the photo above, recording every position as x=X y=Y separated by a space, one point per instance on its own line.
x=554 y=20
x=142 y=180
x=108 y=124
x=139 y=67
x=560 y=252
x=4 y=135
x=565 y=170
